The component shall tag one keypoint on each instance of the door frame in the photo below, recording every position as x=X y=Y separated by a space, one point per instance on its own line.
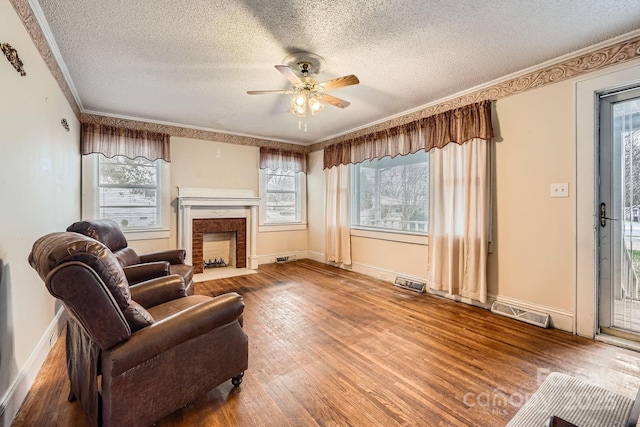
x=585 y=319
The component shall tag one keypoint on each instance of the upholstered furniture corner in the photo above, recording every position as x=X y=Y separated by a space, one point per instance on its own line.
x=135 y=355
x=565 y=401
x=137 y=268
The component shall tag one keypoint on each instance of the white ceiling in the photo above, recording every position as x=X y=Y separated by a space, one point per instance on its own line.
x=190 y=62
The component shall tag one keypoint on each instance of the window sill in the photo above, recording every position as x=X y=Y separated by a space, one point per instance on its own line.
x=147 y=234
x=266 y=228
x=415 y=239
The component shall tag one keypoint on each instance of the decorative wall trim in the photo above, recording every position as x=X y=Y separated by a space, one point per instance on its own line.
x=598 y=59
x=189 y=132
x=25 y=13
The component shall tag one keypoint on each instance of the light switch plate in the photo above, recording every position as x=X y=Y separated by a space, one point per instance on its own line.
x=560 y=189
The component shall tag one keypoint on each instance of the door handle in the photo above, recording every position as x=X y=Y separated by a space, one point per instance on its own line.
x=603 y=215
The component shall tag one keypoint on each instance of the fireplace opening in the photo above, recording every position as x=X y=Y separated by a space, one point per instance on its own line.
x=226 y=240
x=219 y=250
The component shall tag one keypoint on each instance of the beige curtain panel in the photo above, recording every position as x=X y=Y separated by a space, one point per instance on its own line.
x=112 y=141
x=274 y=159
x=458 y=125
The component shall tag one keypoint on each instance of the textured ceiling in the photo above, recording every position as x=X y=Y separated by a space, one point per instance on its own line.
x=190 y=62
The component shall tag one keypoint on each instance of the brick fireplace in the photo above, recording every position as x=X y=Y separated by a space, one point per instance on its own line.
x=200 y=227
x=211 y=210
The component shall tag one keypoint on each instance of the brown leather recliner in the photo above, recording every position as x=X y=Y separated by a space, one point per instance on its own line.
x=137 y=268
x=154 y=348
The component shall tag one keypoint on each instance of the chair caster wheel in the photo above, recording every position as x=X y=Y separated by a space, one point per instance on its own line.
x=237 y=380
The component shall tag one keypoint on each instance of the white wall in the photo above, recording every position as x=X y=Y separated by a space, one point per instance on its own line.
x=39 y=193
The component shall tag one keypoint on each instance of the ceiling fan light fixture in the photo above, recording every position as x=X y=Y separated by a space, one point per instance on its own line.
x=315 y=106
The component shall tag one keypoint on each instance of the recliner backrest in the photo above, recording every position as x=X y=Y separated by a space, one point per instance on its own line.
x=86 y=276
x=108 y=232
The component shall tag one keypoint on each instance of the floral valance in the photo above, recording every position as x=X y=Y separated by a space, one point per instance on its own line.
x=112 y=141
x=274 y=159
x=458 y=125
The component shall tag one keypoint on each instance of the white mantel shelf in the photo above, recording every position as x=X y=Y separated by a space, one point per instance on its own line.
x=204 y=203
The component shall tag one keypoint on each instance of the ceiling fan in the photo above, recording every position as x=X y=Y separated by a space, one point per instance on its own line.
x=308 y=91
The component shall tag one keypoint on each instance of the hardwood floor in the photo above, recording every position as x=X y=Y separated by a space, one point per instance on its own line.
x=329 y=347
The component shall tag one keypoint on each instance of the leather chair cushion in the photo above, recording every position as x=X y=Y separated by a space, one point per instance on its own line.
x=127 y=257
x=137 y=317
x=58 y=248
x=104 y=230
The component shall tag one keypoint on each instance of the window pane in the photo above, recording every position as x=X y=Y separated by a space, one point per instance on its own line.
x=128 y=192
x=392 y=194
x=120 y=170
x=281 y=199
x=132 y=217
x=281 y=182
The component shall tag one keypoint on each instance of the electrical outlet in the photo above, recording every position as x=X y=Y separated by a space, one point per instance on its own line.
x=560 y=189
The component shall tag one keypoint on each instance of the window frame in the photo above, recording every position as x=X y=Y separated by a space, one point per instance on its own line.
x=301 y=204
x=405 y=236
x=91 y=198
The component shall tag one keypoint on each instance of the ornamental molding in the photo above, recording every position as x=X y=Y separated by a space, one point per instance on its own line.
x=190 y=132
x=617 y=53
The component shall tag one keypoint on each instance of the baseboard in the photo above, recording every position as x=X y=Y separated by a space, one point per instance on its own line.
x=12 y=400
x=316 y=256
x=560 y=319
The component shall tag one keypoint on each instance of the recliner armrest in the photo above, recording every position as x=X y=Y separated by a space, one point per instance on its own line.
x=157 y=338
x=159 y=290
x=137 y=273
x=173 y=256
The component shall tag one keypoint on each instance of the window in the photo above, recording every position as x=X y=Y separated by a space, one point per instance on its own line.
x=133 y=193
x=391 y=194
x=283 y=197
x=128 y=191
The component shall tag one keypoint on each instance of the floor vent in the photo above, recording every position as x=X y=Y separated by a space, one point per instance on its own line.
x=410 y=284
x=529 y=316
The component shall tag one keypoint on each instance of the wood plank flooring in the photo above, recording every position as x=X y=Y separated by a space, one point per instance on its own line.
x=329 y=347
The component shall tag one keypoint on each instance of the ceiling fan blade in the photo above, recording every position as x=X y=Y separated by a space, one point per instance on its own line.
x=289 y=74
x=340 y=82
x=340 y=103
x=259 y=92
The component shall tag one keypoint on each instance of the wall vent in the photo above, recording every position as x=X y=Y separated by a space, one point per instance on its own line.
x=286 y=258
x=528 y=316
x=412 y=285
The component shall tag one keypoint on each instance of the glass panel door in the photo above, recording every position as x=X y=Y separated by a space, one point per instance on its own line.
x=619 y=211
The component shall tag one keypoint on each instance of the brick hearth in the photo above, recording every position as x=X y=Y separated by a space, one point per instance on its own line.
x=219 y=225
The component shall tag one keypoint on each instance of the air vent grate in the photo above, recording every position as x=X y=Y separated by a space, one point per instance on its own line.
x=528 y=316
x=412 y=285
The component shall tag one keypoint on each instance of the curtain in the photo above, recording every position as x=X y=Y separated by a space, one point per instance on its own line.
x=459 y=219
x=337 y=240
x=112 y=141
x=437 y=131
x=274 y=159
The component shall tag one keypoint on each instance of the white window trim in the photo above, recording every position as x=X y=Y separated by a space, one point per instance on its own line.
x=289 y=226
x=90 y=199
x=392 y=236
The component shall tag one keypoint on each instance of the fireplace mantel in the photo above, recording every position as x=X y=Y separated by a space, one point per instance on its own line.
x=204 y=203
